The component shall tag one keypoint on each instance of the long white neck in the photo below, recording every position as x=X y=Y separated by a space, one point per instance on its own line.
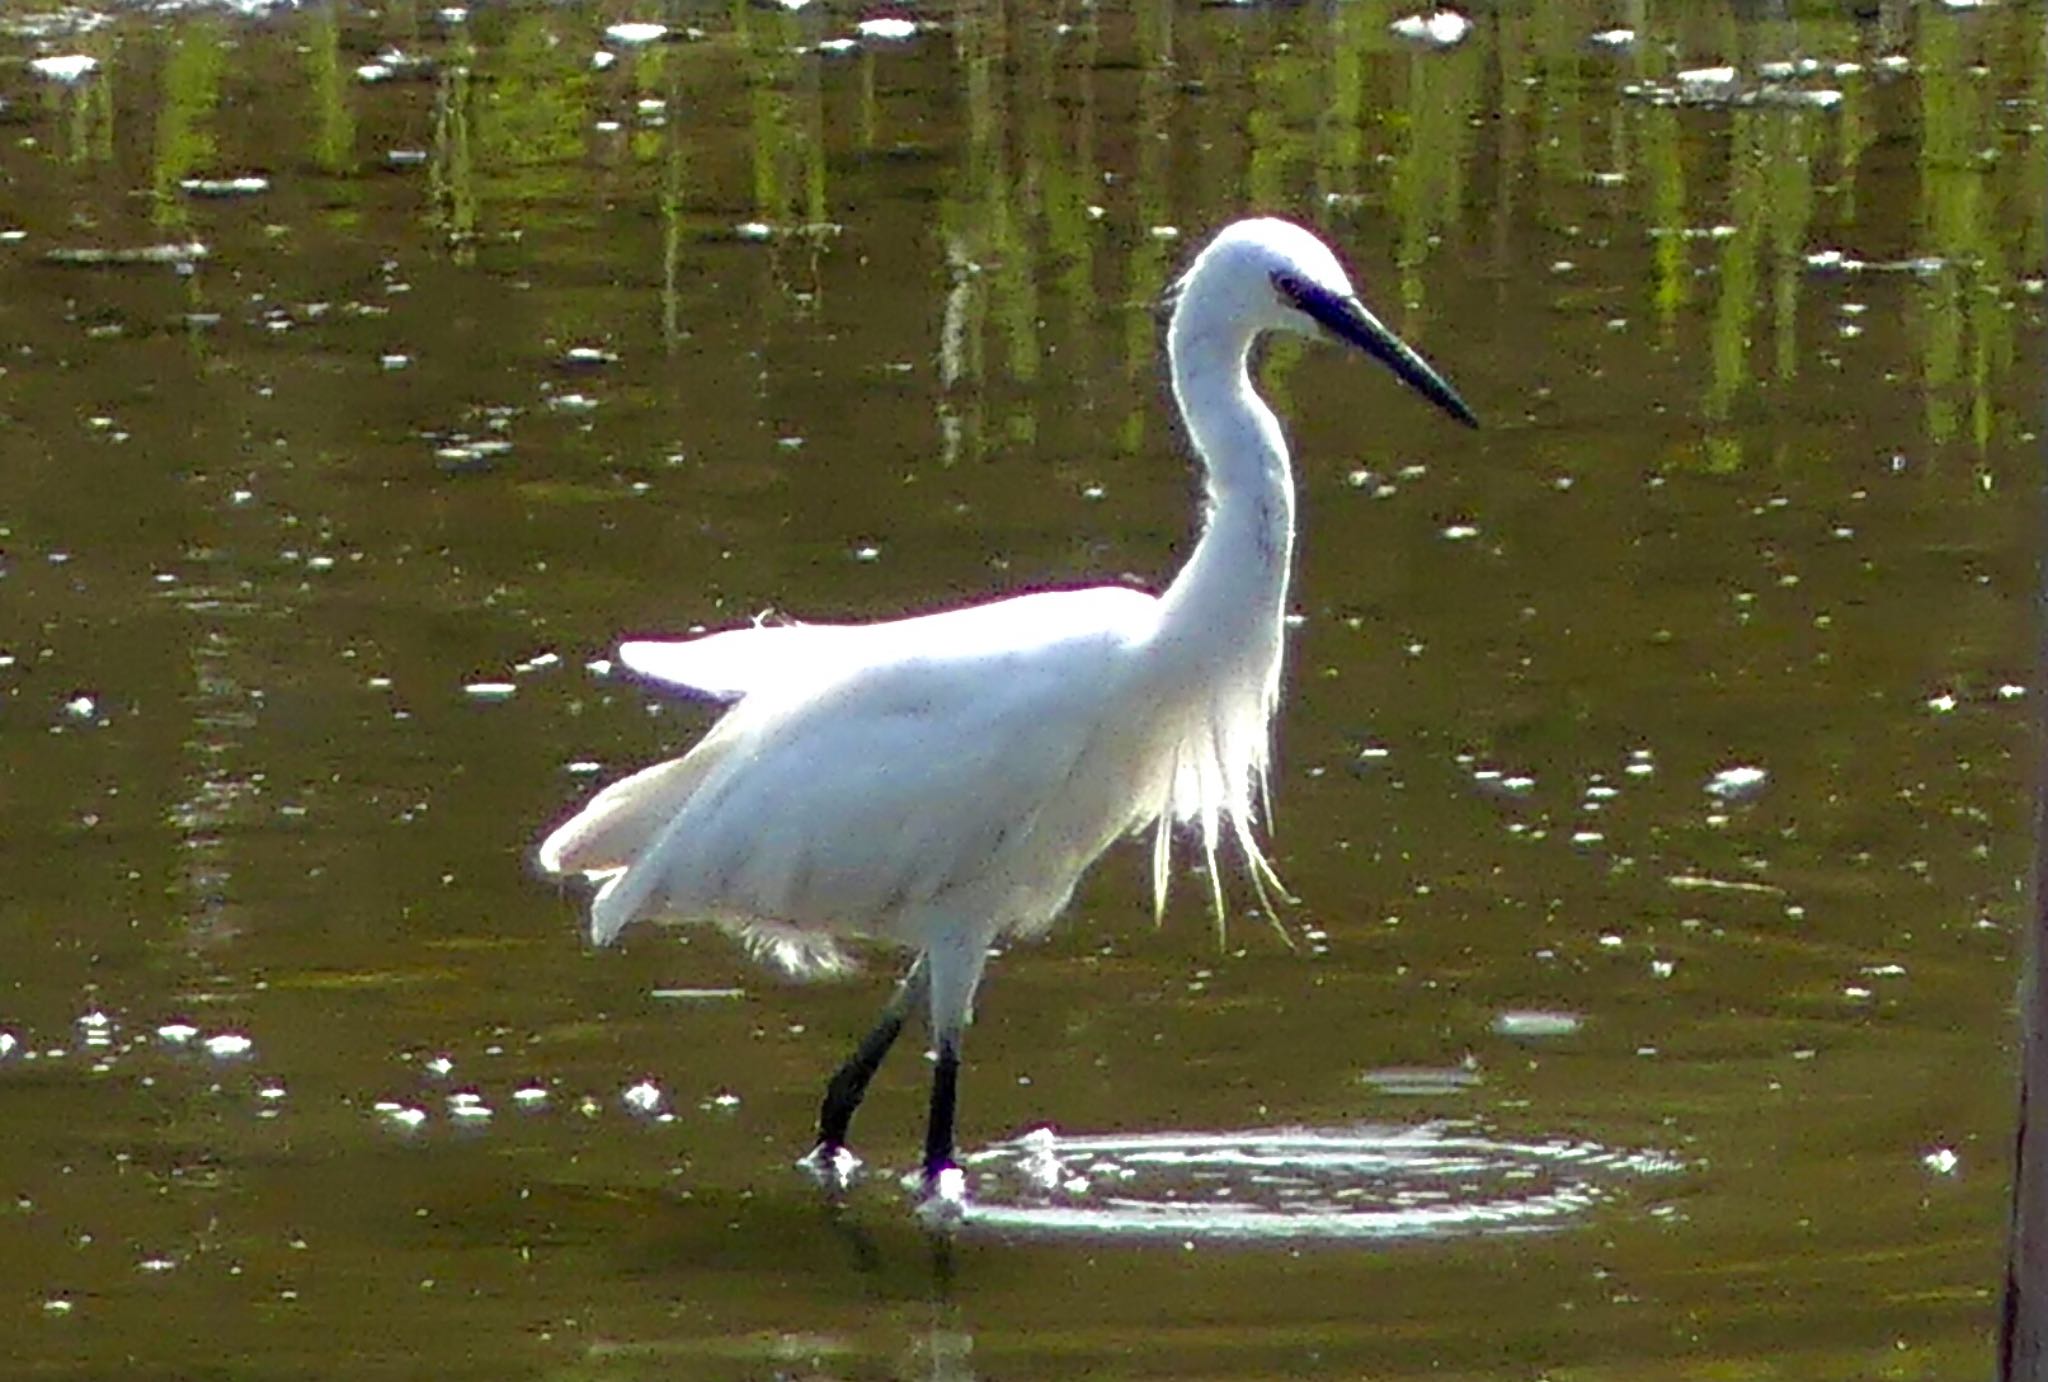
x=1225 y=609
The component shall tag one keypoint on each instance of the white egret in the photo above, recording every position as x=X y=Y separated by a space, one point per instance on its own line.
x=943 y=781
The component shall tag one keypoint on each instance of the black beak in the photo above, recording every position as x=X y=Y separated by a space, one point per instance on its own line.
x=1348 y=320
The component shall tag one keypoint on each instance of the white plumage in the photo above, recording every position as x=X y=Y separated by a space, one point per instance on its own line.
x=943 y=781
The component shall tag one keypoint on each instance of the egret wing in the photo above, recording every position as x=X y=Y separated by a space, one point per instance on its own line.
x=737 y=662
x=874 y=797
x=726 y=666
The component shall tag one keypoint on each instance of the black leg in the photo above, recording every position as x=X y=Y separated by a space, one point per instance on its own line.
x=956 y=965
x=938 y=1136
x=850 y=1084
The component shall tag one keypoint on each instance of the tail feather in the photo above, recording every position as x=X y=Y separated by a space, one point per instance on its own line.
x=619 y=823
x=622 y=895
x=615 y=841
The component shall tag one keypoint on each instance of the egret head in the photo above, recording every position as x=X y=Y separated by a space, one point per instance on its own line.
x=1272 y=275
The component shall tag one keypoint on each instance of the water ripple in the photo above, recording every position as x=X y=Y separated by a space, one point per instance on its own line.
x=1378 y=1182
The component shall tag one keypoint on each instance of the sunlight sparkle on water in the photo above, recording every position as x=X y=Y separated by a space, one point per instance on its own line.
x=887 y=28
x=633 y=33
x=1536 y=1023
x=70 y=67
x=1424 y=1081
x=1740 y=783
x=1436 y=28
x=403 y=1116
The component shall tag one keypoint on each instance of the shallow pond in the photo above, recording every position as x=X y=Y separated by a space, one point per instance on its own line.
x=1651 y=773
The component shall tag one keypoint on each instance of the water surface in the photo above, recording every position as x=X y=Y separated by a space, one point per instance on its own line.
x=1651 y=772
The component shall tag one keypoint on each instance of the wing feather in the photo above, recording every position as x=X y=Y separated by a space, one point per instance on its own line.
x=872 y=777
x=738 y=662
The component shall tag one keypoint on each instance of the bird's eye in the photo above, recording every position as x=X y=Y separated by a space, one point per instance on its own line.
x=1291 y=289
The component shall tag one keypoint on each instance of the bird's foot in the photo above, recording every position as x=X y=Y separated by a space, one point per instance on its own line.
x=831 y=1165
x=942 y=1203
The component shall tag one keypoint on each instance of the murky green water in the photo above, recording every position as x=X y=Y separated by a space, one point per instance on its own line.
x=510 y=350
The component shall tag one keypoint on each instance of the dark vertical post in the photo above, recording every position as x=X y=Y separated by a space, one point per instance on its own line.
x=2023 y=1317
